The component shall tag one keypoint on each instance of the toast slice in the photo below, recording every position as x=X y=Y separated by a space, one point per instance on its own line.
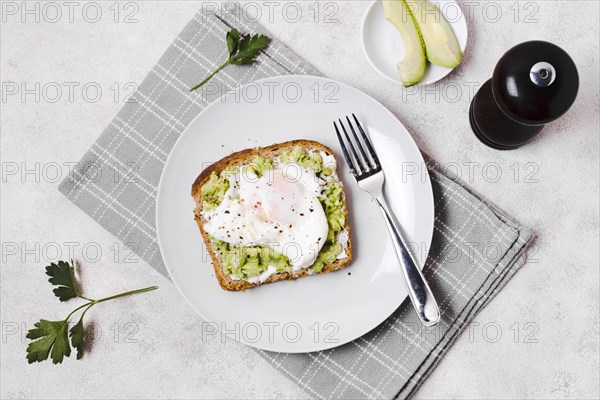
x=245 y=157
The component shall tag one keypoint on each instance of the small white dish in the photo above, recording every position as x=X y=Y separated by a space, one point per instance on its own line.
x=318 y=312
x=384 y=48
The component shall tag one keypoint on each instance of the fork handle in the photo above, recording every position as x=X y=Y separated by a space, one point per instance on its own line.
x=418 y=290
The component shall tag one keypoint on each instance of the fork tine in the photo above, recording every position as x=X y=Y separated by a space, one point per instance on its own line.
x=368 y=143
x=360 y=168
x=344 y=150
x=365 y=159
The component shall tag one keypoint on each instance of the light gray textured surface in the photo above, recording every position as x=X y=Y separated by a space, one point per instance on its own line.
x=557 y=292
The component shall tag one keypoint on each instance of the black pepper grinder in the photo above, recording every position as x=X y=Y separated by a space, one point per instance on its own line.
x=533 y=84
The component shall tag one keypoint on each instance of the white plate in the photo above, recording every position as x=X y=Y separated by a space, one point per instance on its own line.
x=312 y=313
x=384 y=48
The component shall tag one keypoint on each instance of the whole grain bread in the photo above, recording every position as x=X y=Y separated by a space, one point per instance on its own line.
x=245 y=157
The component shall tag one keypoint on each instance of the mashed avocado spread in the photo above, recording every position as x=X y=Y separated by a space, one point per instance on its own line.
x=259 y=166
x=246 y=262
x=213 y=191
x=249 y=261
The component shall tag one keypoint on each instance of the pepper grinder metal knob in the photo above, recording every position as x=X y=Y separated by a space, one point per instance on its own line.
x=534 y=83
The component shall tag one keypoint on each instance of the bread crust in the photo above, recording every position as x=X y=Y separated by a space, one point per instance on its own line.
x=244 y=157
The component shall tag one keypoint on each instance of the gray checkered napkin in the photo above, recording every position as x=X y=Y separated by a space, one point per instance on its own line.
x=390 y=361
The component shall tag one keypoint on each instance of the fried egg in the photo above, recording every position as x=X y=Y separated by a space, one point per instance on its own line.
x=280 y=209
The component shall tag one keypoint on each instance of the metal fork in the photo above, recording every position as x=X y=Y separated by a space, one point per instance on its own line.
x=369 y=176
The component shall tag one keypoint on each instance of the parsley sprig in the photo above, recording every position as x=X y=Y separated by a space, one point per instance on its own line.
x=243 y=50
x=51 y=338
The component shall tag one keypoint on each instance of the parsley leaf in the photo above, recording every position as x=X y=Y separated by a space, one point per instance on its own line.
x=243 y=50
x=250 y=47
x=233 y=37
x=77 y=335
x=51 y=338
x=63 y=276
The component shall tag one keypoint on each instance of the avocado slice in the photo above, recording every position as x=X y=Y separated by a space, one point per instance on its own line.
x=441 y=44
x=412 y=67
